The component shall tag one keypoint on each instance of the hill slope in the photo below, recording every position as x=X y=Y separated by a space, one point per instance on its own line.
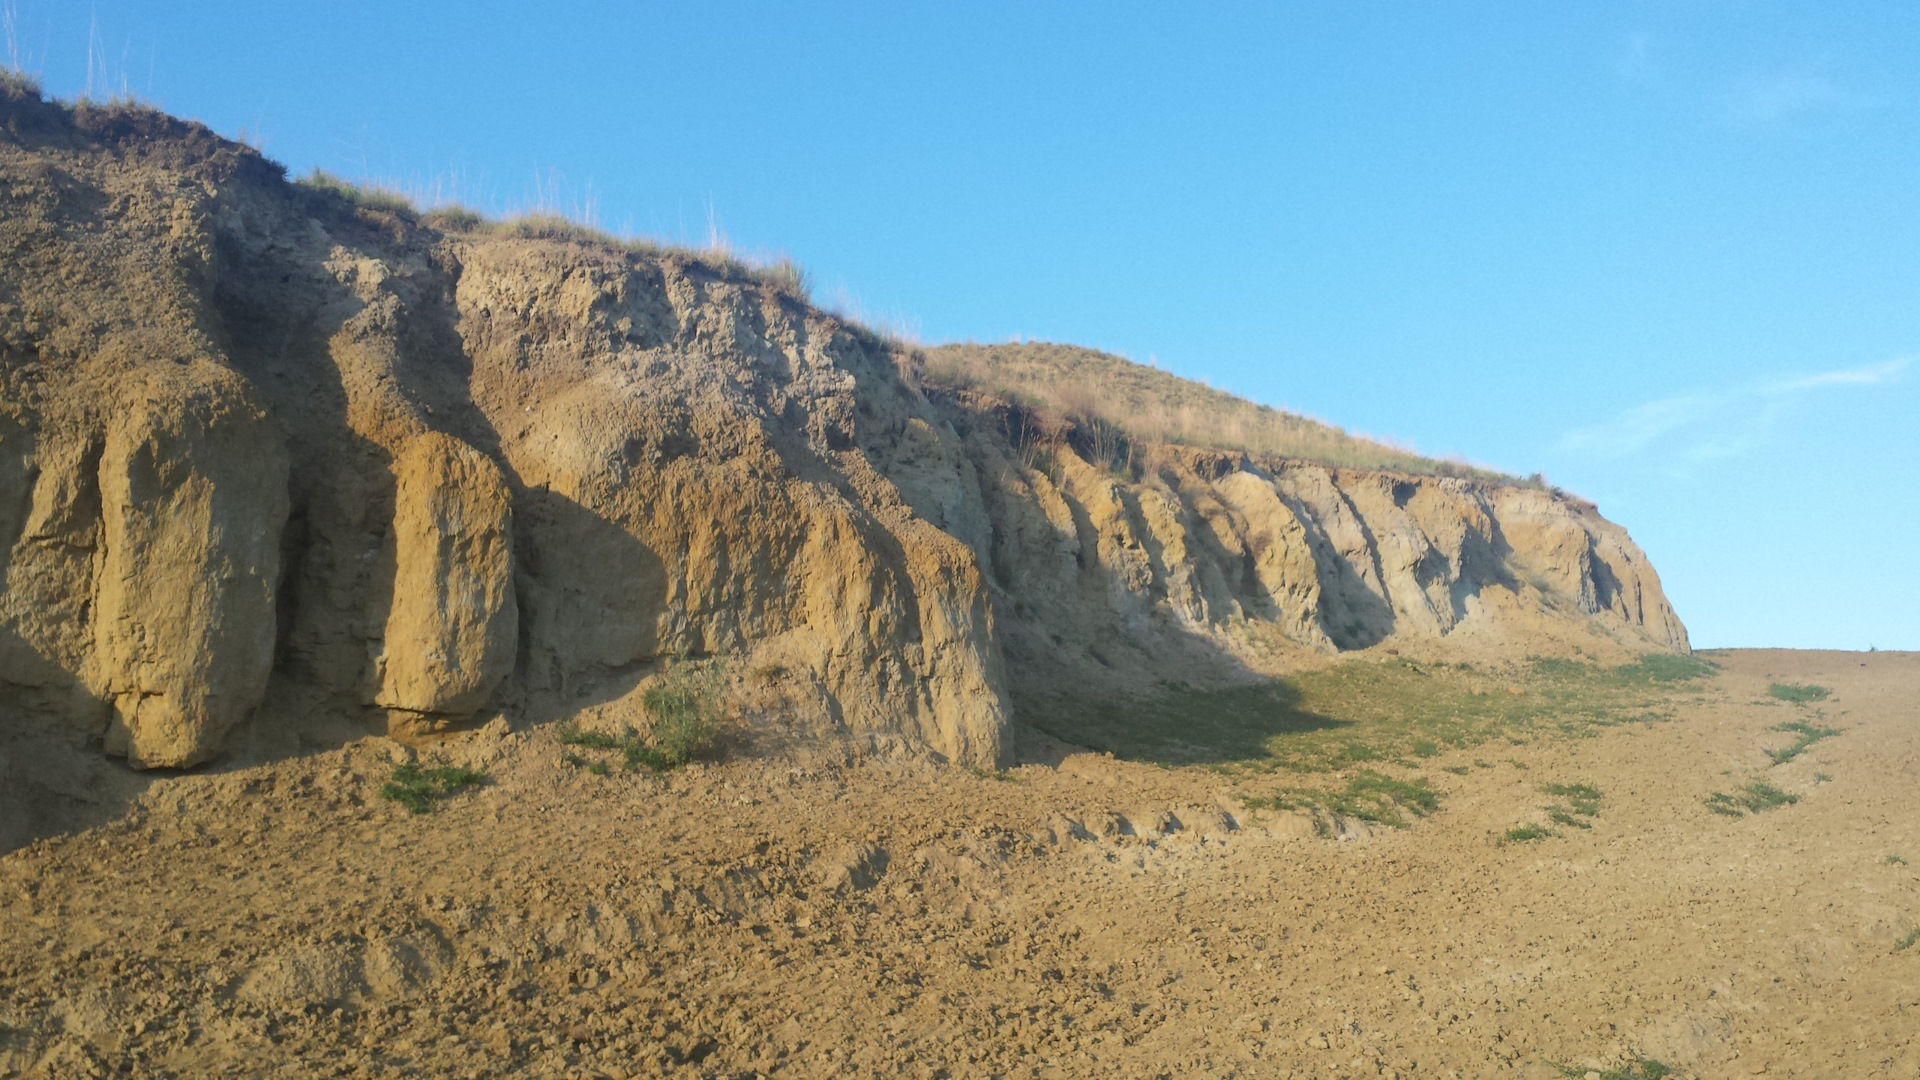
x=1158 y=406
x=277 y=466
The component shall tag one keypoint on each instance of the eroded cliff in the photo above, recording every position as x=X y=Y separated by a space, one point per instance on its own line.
x=272 y=458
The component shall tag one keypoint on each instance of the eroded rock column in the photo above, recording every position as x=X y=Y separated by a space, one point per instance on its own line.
x=453 y=621
x=193 y=494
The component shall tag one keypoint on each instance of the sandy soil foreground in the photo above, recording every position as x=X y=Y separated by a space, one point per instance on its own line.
x=1089 y=918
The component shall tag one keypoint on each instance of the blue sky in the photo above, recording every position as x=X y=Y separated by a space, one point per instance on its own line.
x=1669 y=254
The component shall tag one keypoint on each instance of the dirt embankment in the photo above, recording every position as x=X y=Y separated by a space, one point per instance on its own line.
x=277 y=467
x=1083 y=918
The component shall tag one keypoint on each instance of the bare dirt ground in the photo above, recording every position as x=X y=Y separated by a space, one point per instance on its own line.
x=1090 y=918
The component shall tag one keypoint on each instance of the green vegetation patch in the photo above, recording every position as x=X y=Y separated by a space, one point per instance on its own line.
x=1753 y=797
x=1580 y=806
x=1799 y=694
x=1521 y=834
x=685 y=707
x=1368 y=796
x=418 y=787
x=1908 y=942
x=1366 y=713
x=1635 y=1068
x=1809 y=734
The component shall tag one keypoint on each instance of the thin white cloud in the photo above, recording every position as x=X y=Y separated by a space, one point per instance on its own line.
x=1640 y=426
x=1865 y=375
x=1717 y=426
x=1769 y=99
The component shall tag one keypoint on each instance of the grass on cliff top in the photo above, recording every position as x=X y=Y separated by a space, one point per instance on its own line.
x=1146 y=403
x=1366 y=713
x=777 y=272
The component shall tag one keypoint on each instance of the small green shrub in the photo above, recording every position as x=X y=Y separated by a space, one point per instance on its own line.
x=417 y=787
x=1457 y=770
x=1896 y=860
x=1908 y=942
x=685 y=708
x=1798 y=693
x=1753 y=797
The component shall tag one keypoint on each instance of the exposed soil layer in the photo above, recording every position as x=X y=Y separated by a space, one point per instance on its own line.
x=1073 y=917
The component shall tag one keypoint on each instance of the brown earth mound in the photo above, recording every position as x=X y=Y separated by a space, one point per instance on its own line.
x=277 y=466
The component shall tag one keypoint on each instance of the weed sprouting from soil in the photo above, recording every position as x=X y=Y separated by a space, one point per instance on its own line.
x=1908 y=942
x=1521 y=834
x=1798 y=693
x=1637 y=1068
x=1896 y=860
x=1583 y=799
x=1809 y=734
x=1363 y=712
x=418 y=787
x=1753 y=797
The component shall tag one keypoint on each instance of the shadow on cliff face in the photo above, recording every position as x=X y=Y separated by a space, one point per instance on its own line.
x=588 y=595
x=53 y=778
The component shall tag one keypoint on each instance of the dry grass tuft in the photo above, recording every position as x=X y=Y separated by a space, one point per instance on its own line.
x=1096 y=389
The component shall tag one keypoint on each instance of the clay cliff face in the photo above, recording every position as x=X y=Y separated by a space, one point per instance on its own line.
x=266 y=456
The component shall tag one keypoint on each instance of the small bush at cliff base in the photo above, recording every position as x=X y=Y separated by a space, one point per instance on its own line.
x=685 y=707
x=417 y=787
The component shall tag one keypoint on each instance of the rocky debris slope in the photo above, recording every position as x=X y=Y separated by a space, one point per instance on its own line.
x=269 y=453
